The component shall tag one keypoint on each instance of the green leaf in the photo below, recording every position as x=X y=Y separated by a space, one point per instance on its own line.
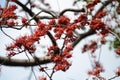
x=116 y=43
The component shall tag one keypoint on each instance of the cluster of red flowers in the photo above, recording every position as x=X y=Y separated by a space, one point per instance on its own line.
x=52 y=50
x=63 y=26
x=63 y=20
x=22 y=43
x=60 y=59
x=101 y=14
x=11 y=23
x=98 y=25
x=25 y=22
x=8 y=13
x=82 y=19
x=42 y=78
x=27 y=42
x=91 y=4
x=97 y=70
x=61 y=63
x=118 y=51
x=92 y=47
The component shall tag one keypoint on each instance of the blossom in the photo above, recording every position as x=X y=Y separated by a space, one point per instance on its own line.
x=11 y=23
x=9 y=12
x=58 y=32
x=52 y=22
x=25 y=22
x=11 y=54
x=42 y=78
x=101 y=14
x=63 y=20
x=118 y=51
x=92 y=47
x=118 y=71
x=91 y=4
x=63 y=65
x=82 y=18
x=97 y=24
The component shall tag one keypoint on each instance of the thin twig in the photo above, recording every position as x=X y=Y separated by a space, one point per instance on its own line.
x=113 y=77
x=115 y=34
x=34 y=73
x=7 y=34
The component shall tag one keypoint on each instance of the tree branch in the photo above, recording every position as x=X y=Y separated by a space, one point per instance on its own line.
x=82 y=36
x=72 y=10
x=24 y=62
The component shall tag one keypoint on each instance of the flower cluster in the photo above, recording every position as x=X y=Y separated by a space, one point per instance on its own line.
x=43 y=78
x=92 y=4
x=63 y=26
x=25 y=22
x=61 y=58
x=27 y=42
x=52 y=50
x=101 y=14
x=63 y=20
x=97 y=70
x=118 y=51
x=8 y=13
x=82 y=19
x=92 y=47
x=98 y=25
x=11 y=23
x=24 y=42
x=61 y=63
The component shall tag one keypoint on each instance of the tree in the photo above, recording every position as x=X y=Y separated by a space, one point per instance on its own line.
x=63 y=33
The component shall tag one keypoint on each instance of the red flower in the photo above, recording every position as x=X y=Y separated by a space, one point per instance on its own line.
x=58 y=32
x=11 y=54
x=118 y=71
x=43 y=78
x=101 y=14
x=11 y=23
x=91 y=4
x=63 y=20
x=82 y=18
x=52 y=22
x=118 y=51
x=9 y=12
x=97 y=24
x=62 y=65
x=25 y=22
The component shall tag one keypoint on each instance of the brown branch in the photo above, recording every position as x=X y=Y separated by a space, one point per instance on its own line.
x=82 y=36
x=71 y=10
x=113 y=77
x=24 y=62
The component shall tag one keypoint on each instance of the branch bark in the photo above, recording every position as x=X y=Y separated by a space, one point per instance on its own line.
x=24 y=62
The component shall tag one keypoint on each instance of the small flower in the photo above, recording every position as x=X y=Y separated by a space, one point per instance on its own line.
x=118 y=71
x=101 y=14
x=63 y=20
x=118 y=51
x=42 y=78
x=25 y=22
